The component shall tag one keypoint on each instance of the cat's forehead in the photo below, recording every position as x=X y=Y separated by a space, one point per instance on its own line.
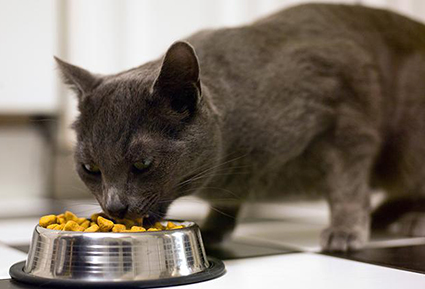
x=122 y=96
x=126 y=87
x=113 y=107
x=123 y=89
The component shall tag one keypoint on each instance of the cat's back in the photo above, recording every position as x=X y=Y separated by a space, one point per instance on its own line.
x=329 y=14
x=245 y=64
x=259 y=41
x=246 y=61
x=339 y=20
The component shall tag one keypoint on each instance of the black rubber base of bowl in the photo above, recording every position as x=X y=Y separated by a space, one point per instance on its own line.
x=215 y=270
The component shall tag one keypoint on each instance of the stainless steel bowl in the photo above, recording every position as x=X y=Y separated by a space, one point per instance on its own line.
x=107 y=257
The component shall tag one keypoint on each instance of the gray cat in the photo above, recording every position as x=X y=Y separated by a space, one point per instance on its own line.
x=314 y=99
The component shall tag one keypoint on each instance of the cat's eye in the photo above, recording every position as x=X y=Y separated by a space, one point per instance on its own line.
x=142 y=165
x=91 y=168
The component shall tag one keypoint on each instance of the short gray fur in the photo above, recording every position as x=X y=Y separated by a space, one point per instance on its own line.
x=313 y=100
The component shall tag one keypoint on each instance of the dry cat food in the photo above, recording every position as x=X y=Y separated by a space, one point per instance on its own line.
x=99 y=223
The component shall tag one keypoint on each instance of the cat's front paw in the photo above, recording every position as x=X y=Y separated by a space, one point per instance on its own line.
x=342 y=240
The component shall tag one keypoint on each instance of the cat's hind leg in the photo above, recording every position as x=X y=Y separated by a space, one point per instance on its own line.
x=400 y=169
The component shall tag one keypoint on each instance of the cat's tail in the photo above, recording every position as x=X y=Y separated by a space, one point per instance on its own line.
x=393 y=209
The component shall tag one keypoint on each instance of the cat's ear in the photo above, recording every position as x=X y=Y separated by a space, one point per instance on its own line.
x=79 y=79
x=179 y=77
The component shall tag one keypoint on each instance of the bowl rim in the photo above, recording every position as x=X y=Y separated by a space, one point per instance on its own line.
x=192 y=225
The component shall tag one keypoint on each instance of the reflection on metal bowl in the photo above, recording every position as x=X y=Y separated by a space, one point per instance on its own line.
x=114 y=257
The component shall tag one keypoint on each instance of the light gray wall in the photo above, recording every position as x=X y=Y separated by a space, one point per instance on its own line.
x=28 y=37
x=25 y=163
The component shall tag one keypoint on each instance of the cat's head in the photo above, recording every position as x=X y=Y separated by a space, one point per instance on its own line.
x=143 y=133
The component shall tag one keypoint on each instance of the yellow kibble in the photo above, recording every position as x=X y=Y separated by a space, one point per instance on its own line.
x=56 y=227
x=91 y=229
x=85 y=224
x=95 y=216
x=61 y=220
x=72 y=226
x=52 y=226
x=81 y=220
x=170 y=225
x=69 y=216
x=137 y=229
x=177 y=227
x=159 y=226
x=118 y=228
x=127 y=223
x=59 y=227
x=47 y=220
x=104 y=224
x=101 y=223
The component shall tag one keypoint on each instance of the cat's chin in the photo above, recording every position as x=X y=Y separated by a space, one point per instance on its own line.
x=156 y=214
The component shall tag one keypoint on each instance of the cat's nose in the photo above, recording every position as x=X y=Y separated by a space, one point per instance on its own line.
x=114 y=206
x=117 y=210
